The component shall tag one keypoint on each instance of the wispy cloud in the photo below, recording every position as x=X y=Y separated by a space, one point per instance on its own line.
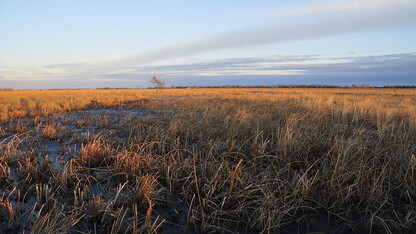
x=375 y=70
x=306 y=64
x=68 y=66
x=283 y=30
x=229 y=63
x=278 y=69
x=343 y=6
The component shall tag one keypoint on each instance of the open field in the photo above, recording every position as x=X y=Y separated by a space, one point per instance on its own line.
x=208 y=160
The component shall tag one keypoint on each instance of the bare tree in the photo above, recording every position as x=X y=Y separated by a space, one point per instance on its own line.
x=158 y=83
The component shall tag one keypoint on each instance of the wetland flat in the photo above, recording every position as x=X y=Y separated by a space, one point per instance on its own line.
x=202 y=160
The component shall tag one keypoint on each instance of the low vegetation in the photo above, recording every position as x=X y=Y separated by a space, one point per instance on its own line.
x=208 y=160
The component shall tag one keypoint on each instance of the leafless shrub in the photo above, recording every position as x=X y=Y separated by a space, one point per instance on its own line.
x=158 y=83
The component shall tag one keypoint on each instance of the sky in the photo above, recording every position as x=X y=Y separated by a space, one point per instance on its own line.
x=98 y=43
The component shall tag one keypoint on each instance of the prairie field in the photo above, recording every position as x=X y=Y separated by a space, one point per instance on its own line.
x=217 y=160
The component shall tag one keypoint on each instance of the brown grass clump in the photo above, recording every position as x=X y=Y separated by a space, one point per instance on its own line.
x=4 y=173
x=2 y=133
x=95 y=153
x=18 y=127
x=52 y=131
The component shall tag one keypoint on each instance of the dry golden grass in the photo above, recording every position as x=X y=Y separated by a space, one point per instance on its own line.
x=51 y=131
x=209 y=160
x=16 y=104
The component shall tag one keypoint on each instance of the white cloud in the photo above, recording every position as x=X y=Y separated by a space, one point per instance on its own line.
x=300 y=28
x=299 y=69
x=343 y=6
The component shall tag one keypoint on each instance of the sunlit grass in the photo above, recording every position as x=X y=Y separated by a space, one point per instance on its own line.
x=224 y=160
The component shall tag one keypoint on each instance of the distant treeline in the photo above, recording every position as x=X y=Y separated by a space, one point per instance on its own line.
x=298 y=86
x=254 y=86
x=400 y=86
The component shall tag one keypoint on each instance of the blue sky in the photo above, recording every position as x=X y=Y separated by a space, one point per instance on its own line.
x=88 y=44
